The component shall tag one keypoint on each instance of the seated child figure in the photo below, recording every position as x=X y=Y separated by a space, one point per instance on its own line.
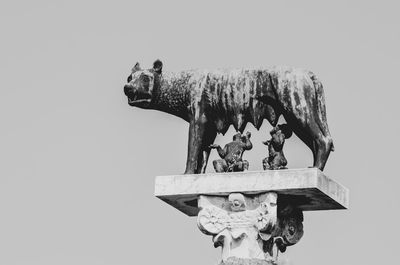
x=276 y=159
x=232 y=154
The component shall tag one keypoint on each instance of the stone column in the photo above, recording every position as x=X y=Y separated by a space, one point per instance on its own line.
x=252 y=216
x=247 y=228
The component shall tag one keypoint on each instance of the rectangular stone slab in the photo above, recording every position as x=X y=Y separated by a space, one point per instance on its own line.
x=308 y=189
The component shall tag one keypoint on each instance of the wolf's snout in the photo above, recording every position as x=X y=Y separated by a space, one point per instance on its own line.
x=128 y=89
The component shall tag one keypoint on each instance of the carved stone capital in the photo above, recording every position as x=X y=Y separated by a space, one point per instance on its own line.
x=250 y=223
x=249 y=227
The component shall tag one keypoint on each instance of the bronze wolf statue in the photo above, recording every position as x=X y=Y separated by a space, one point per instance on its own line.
x=210 y=101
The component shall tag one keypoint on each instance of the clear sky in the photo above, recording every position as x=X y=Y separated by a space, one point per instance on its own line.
x=77 y=164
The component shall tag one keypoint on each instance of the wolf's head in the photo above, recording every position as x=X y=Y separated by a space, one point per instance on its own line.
x=140 y=85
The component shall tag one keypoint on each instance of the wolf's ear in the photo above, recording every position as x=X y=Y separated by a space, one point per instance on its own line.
x=157 y=66
x=136 y=68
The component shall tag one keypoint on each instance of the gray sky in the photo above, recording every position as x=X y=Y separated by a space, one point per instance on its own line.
x=78 y=164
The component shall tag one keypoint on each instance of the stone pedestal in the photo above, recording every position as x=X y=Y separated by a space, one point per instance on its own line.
x=252 y=216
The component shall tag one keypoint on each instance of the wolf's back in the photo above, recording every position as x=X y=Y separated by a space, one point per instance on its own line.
x=234 y=97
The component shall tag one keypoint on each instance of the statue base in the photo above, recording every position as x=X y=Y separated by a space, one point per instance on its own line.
x=252 y=215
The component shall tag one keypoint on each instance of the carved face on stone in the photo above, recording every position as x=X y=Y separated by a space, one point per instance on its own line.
x=140 y=85
x=237 y=202
x=270 y=203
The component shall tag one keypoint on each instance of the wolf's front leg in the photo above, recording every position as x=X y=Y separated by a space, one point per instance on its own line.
x=195 y=144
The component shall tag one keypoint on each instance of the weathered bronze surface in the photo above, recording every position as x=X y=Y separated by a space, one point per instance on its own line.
x=276 y=159
x=232 y=154
x=213 y=100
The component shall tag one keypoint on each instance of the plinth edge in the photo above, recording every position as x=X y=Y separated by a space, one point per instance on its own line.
x=308 y=189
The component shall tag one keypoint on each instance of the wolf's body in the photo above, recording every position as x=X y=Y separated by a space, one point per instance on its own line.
x=213 y=100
